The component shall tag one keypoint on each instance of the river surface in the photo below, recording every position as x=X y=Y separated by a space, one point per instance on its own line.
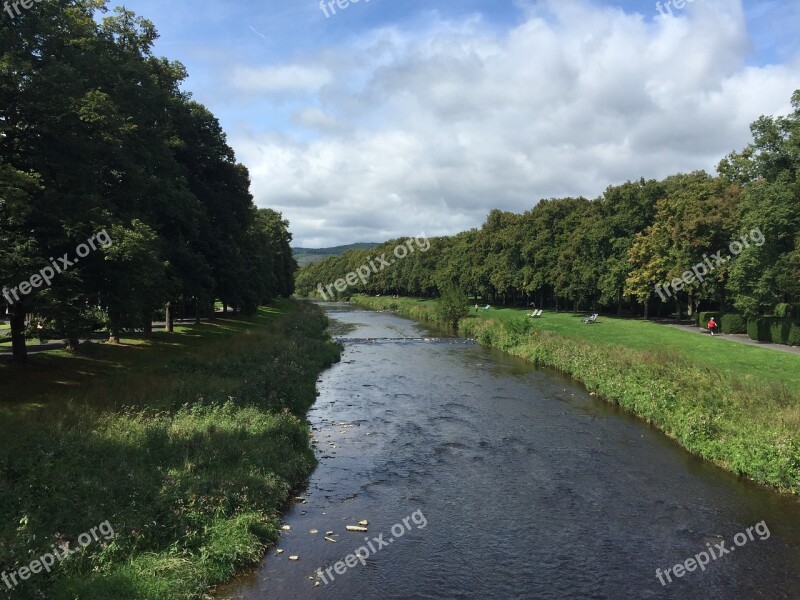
x=495 y=479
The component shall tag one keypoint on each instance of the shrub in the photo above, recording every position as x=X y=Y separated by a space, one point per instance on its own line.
x=752 y=328
x=705 y=317
x=783 y=310
x=775 y=330
x=452 y=306
x=733 y=323
x=794 y=335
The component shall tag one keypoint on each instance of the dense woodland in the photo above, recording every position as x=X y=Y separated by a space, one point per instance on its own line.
x=609 y=253
x=96 y=135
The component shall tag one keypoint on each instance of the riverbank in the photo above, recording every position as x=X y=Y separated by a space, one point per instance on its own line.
x=736 y=406
x=187 y=446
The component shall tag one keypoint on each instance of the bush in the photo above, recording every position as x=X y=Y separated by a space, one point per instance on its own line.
x=705 y=317
x=783 y=310
x=794 y=335
x=452 y=306
x=752 y=328
x=775 y=330
x=733 y=323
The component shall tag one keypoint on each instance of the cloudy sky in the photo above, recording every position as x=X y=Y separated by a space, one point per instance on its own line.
x=402 y=117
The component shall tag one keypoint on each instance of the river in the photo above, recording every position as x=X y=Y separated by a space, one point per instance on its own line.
x=495 y=479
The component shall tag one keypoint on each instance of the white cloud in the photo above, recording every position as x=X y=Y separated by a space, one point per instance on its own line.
x=428 y=131
x=286 y=78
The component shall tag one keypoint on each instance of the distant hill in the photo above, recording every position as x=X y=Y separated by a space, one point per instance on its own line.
x=308 y=256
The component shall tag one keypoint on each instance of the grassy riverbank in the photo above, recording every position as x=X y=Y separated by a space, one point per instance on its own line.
x=735 y=405
x=189 y=445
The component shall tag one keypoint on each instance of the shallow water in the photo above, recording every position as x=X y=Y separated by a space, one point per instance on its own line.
x=527 y=487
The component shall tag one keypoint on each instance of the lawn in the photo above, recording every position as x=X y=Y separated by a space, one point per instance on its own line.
x=51 y=376
x=724 y=357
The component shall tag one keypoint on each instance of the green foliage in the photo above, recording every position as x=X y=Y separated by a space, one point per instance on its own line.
x=775 y=330
x=120 y=148
x=452 y=306
x=794 y=334
x=783 y=310
x=753 y=329
x=733 y=323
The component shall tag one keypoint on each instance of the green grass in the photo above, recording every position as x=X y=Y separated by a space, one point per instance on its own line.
x=737 y=406
x=49 y=376
x=747 y=363
x=188 y=444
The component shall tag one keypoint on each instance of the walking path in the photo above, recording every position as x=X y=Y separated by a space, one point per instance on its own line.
x=738 y=338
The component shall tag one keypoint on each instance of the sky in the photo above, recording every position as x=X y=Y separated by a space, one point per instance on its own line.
x=393 y=118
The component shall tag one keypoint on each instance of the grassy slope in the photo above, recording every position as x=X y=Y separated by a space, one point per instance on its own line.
x=189 y=445
x=736 y=405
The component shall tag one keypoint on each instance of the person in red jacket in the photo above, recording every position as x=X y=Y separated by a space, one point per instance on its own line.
x=712 y=325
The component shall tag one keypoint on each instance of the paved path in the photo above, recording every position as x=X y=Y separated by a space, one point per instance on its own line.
x=738 y=338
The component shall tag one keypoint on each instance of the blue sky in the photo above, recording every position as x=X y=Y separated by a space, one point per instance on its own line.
x=401 y=117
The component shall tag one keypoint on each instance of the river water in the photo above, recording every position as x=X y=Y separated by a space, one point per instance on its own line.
x=495 y=479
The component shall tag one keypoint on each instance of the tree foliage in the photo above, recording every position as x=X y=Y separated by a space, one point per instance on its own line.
x=96 y=135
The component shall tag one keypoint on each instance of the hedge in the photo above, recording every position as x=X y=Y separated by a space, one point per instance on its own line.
x=775 y=330
x=733 y=323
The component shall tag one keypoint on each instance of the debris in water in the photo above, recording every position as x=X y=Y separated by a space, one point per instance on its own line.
x=363 y=523
x=294 y=557
x=287 y=527
x=330 y=539
x=356 y=529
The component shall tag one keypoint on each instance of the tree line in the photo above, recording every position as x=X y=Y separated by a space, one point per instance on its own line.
x=613 y=252
x=98 y=139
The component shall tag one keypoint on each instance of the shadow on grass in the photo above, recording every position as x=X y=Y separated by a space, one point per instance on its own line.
x=50 y=375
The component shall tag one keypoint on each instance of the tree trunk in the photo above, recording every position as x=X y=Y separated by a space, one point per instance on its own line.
x=619 y=302
x=647 y=309
x=169 y=327
x=73 y=341
x=113 y=327
x=19 y=350
x=148 y=325
x=196 y=311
